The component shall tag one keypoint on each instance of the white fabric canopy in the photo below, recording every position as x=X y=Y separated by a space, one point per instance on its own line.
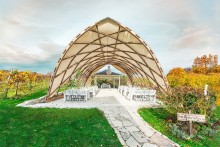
x=107 y=42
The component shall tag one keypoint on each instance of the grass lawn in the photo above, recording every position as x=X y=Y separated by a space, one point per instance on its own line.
x=53 y=127
x=156 y=118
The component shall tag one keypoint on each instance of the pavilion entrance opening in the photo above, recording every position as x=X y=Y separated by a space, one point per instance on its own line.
x=109 y=77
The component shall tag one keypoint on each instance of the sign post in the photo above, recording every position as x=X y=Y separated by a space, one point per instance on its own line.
x=191 y=117
x=190 y=125
x=206 y=90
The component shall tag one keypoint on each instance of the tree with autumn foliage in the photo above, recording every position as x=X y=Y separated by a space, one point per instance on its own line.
x=15 y=83
x=16 y=78
x=4 y=76
x=206 y=64
x=177 y=77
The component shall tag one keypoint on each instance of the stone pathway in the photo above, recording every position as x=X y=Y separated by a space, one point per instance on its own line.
x=122 y=115
x=130 y=128
x=126 y=129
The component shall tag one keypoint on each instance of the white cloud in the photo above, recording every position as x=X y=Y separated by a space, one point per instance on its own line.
x=10 y=53
x=14 y=54
x=50 y=49
x=195 y=38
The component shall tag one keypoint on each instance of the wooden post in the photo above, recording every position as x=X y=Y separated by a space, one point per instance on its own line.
x=119 y=82
x=114 y=82
x=190 y=125
x=95 y=80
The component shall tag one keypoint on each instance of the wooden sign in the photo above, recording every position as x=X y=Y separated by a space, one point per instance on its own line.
x=191 y=117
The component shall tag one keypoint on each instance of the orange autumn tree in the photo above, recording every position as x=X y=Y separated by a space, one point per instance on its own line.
x=206 y=64
x=4 y=74
x=177 y=77
x=18 y=78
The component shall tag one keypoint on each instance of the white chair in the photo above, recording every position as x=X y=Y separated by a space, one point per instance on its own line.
x=67 y=95
x=152 y=95
x=126 y=91
x=121 y=90
x=64 y=96
x=75 y=95
x=146 y=96
x=90 y=92
x=83 y=95
x=137 y=94
x=131 y=93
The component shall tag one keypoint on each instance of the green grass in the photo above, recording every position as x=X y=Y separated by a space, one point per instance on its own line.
x=14 y=101
x=52 y=127
x=156 y=118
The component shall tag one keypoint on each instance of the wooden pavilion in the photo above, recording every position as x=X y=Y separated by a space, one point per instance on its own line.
x=107 y=42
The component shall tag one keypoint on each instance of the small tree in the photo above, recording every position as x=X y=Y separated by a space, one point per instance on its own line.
x=17 y=77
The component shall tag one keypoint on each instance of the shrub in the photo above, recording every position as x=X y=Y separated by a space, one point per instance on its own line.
x=176 y=131
x=183 y=99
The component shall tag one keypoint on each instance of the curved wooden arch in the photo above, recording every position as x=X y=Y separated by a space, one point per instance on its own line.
x=107 y=42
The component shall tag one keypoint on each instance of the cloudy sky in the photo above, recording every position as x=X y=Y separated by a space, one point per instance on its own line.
x=33 y=33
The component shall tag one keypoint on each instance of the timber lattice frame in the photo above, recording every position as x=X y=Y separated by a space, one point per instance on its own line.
x=107 y=42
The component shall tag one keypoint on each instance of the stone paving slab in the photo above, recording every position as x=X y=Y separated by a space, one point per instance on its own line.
x=125 y=135
x=160 y=140
x=140 y=137
x=127 y=123
x=149 y=145
x=148 y=131
x=131 y=142
x=132 y=128
x=123 y=129
x=117 y=123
